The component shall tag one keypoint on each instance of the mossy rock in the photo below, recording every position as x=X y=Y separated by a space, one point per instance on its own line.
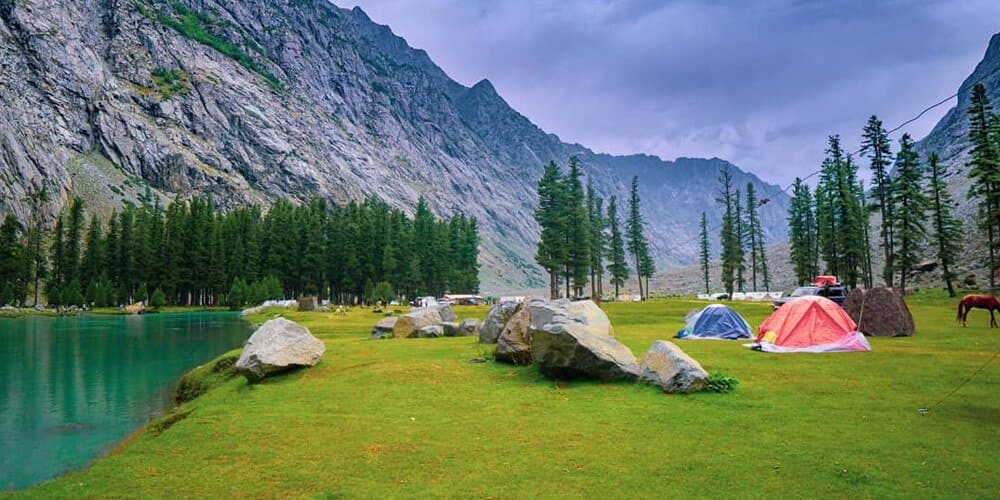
x=206 y=377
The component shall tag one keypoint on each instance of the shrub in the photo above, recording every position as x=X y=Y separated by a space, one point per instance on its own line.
x=720 y=382
x=158 y=299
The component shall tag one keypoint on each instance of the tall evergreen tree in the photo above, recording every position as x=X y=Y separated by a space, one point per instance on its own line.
x=618 y=267
x=910 y=209
x=549 y=215
x=577 y=231
x=595 y=212
x=36 y=198
x=802 y=233
x=755 y=233
x=636 y=238
x=947 y=236
x=729 y=235
x=704 y=254
x=875 y=145
x=11 y=262
x=741 y=241
x=984 y=172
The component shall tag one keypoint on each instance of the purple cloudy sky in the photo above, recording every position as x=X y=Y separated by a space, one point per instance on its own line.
x=760 y=83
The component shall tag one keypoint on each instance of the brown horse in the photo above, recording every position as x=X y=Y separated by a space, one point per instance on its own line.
x=970 y=302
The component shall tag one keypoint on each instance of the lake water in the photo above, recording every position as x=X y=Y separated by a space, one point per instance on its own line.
x=72 y=387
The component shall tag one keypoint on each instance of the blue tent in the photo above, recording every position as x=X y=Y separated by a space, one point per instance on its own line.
x=715 y=321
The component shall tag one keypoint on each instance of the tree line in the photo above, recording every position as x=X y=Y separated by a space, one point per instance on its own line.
x=194 y=253
x=741 y=236
x=916 y=211
x=581 y=239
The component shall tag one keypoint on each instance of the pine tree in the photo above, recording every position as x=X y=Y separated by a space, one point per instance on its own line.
x=875 y=145
x=36 y=259
x=551 y=253
x=74 y=233
x=577 y=231
x=729 y=236
x=636 y=238
x=618 y=267
x=802 y=233
x=947 y=236
x=985 y=173
x=55 y=285
x=741 y=241
x=11 y=264
x=595 y=209
x=92 y=266
x=705 y=256
x=910 y=209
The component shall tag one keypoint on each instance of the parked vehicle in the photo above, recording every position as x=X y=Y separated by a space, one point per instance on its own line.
x=835 y=292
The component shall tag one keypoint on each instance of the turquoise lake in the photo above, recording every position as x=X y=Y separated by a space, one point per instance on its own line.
x=73 y=387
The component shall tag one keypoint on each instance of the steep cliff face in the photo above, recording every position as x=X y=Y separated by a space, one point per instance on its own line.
x=950 y=137
x=255 y=100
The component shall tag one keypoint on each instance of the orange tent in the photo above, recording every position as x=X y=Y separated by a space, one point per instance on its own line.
x=811 y=324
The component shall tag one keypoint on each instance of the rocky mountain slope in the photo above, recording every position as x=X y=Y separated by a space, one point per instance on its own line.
x=254 y=100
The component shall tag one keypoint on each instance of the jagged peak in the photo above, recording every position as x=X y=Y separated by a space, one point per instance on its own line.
x=485 y=85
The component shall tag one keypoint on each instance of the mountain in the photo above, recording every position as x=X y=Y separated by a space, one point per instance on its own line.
x=254 y=100
x=950 y=136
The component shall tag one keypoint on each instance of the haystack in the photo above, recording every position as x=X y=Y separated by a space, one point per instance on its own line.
x=880 y=312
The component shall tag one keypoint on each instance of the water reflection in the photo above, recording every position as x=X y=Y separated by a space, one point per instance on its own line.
x=70 y=388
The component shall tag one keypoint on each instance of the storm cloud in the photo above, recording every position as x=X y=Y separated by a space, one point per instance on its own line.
x=760 y=83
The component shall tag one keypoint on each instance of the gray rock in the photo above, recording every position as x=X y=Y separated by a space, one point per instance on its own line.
x=451 y=329
x=444 y=310
x=568 y=349
x=384 y=328
x=514 y=342
x=495 y=320
x=276 y=346
x=543 y=311
x=469 y=327
x=593 y=315
x=667 y=366
x=430 y=332
x=408 y=324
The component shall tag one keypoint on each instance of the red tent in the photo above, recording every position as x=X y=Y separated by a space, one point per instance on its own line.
x=825 y=280
x=810 y=324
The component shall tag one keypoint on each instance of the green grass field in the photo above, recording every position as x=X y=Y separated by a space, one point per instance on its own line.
x=413 y=418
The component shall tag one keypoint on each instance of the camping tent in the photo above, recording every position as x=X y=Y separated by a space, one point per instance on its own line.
x=810 y=324
x=715 y=321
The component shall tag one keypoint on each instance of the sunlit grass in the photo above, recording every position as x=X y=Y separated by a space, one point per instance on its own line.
x=414 y=418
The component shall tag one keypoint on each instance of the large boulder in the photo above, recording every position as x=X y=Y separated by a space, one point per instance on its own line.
x=444 y=310
x=383 y=329
x=276 y=346
x=569 y=348
x=450 y=329
x=430 y=332
x=667 y=366
x=514 y=342
x=593 y=315
x=543 y=311
x=468 y=327
x=408 y=324
x=495 y=320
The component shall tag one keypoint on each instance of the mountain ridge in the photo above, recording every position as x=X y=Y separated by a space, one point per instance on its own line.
x=257 y=100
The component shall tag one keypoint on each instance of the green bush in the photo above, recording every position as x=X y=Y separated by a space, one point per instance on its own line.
x=158 y=299
x=170 y=82
x=720 y=382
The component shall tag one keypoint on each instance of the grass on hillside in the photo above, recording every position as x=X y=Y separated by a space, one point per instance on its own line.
x=414 y=418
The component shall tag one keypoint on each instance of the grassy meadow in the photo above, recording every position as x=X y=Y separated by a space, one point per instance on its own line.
x=414 y=418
